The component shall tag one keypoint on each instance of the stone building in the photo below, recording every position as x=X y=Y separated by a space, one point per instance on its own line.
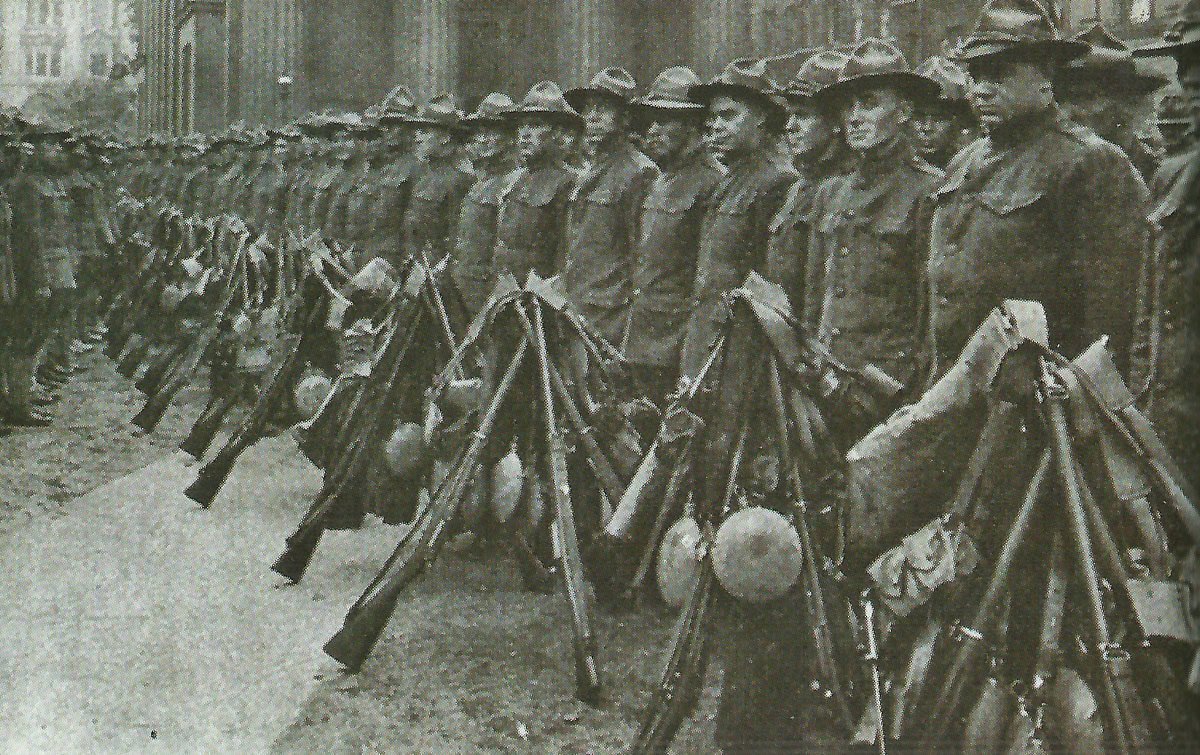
x=207 y=63
x=44 y=44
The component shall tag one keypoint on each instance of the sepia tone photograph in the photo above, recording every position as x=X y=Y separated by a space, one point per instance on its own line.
x=599 y=376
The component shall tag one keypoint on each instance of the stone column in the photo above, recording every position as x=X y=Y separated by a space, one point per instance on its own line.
x=588 y=42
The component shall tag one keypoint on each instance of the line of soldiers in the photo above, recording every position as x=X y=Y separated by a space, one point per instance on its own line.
x=896 y=206
x=56 y=246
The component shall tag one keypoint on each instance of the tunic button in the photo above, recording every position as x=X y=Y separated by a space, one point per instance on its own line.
x=844 y=252
x=840 y=291
x=835 y=331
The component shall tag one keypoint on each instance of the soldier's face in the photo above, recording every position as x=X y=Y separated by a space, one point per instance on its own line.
x=933 y=131
x=602 y=120
x=430 y=142
x=809 y=131
x=486 y=144
x=536 y=140
x=874 y=117
x=1006 y=90
x=667 y=137
x=735 y=126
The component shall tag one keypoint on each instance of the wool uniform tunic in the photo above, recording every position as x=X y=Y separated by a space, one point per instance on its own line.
x=471 y=265
x=530 y=233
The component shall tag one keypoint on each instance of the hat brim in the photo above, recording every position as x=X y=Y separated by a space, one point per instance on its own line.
x=913 y=85
x=704 y=94
x=667 y=107
x=558 y=116
x=430 y=123
x=1058 y=50
x=578 y=96
x=1112 y=77
x=1188 y=46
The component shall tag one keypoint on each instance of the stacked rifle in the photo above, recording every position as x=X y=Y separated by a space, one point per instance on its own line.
x=536 y=457
x=203 y=291
x=770 y=473
x=1049 y=615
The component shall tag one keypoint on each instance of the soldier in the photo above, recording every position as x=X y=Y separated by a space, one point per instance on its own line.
x=763 y=705
x=354 y=175
x=1175 y=409
x=489 y=145
x=1174 y=120
x=1107 y=91
x=439 y=181
x=664 y=260
x=531 y=230
x=605 y=204
x=32 y=234
x=817 y=150
x=394 y=181
x=1039 y=208
x=869 y=227
x=942 y=123
x=745 y=119
x=8 y=280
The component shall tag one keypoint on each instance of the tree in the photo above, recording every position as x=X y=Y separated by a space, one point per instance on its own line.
x=88 y=104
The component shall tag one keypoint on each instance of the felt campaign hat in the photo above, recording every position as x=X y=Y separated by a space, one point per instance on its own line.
x=613 y=83
x=545 y=100
x=876 y=62
x=1017 y=26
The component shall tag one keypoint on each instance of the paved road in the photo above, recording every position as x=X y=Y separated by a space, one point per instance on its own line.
x=140 y=623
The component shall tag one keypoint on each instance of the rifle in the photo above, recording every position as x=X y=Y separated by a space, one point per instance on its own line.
x=639 y=494
x=369 y=615
x=150 y=415
x=213 y=474
x=1155 y=669
x=942 y=713
x=682 y=680
x=1054 y=396
x=587 y=673
x=1026 y=735
x=871 y=656
x=354 y=459
x=814 y=591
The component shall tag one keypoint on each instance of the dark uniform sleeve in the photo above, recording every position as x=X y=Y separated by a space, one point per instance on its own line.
x=1107 y=235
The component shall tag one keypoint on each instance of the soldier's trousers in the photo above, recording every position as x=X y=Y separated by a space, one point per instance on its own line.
x=62 y=313
x=21 y=342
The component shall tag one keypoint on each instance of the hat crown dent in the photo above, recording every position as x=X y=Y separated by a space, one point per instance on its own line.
x=670 y=89
x=951 y=77
x=492 y=107
x=817 y=72
x=874 y=57
x=545 y=98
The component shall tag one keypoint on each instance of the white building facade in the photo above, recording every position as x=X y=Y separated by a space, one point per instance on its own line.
x=44 y=44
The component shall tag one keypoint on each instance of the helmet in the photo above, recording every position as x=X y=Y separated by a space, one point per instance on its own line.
x=679 y=561
x=405 y=450
x=310 y=393
x=756 y=555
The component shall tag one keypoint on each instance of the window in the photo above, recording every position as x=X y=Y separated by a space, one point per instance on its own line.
x=43 y=61
x=44 y=12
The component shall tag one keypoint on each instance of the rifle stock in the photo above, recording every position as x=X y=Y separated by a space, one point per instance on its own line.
x=369 y=615
x=678 y=691
x=1055 y=396
x=587 y=672
x=942 y=713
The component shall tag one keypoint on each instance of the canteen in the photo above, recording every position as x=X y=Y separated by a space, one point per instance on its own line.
x=678 y=561
x=507 y=479
x=756 y=555
x=310 y=393
x=405 y=450
x=463 y=395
